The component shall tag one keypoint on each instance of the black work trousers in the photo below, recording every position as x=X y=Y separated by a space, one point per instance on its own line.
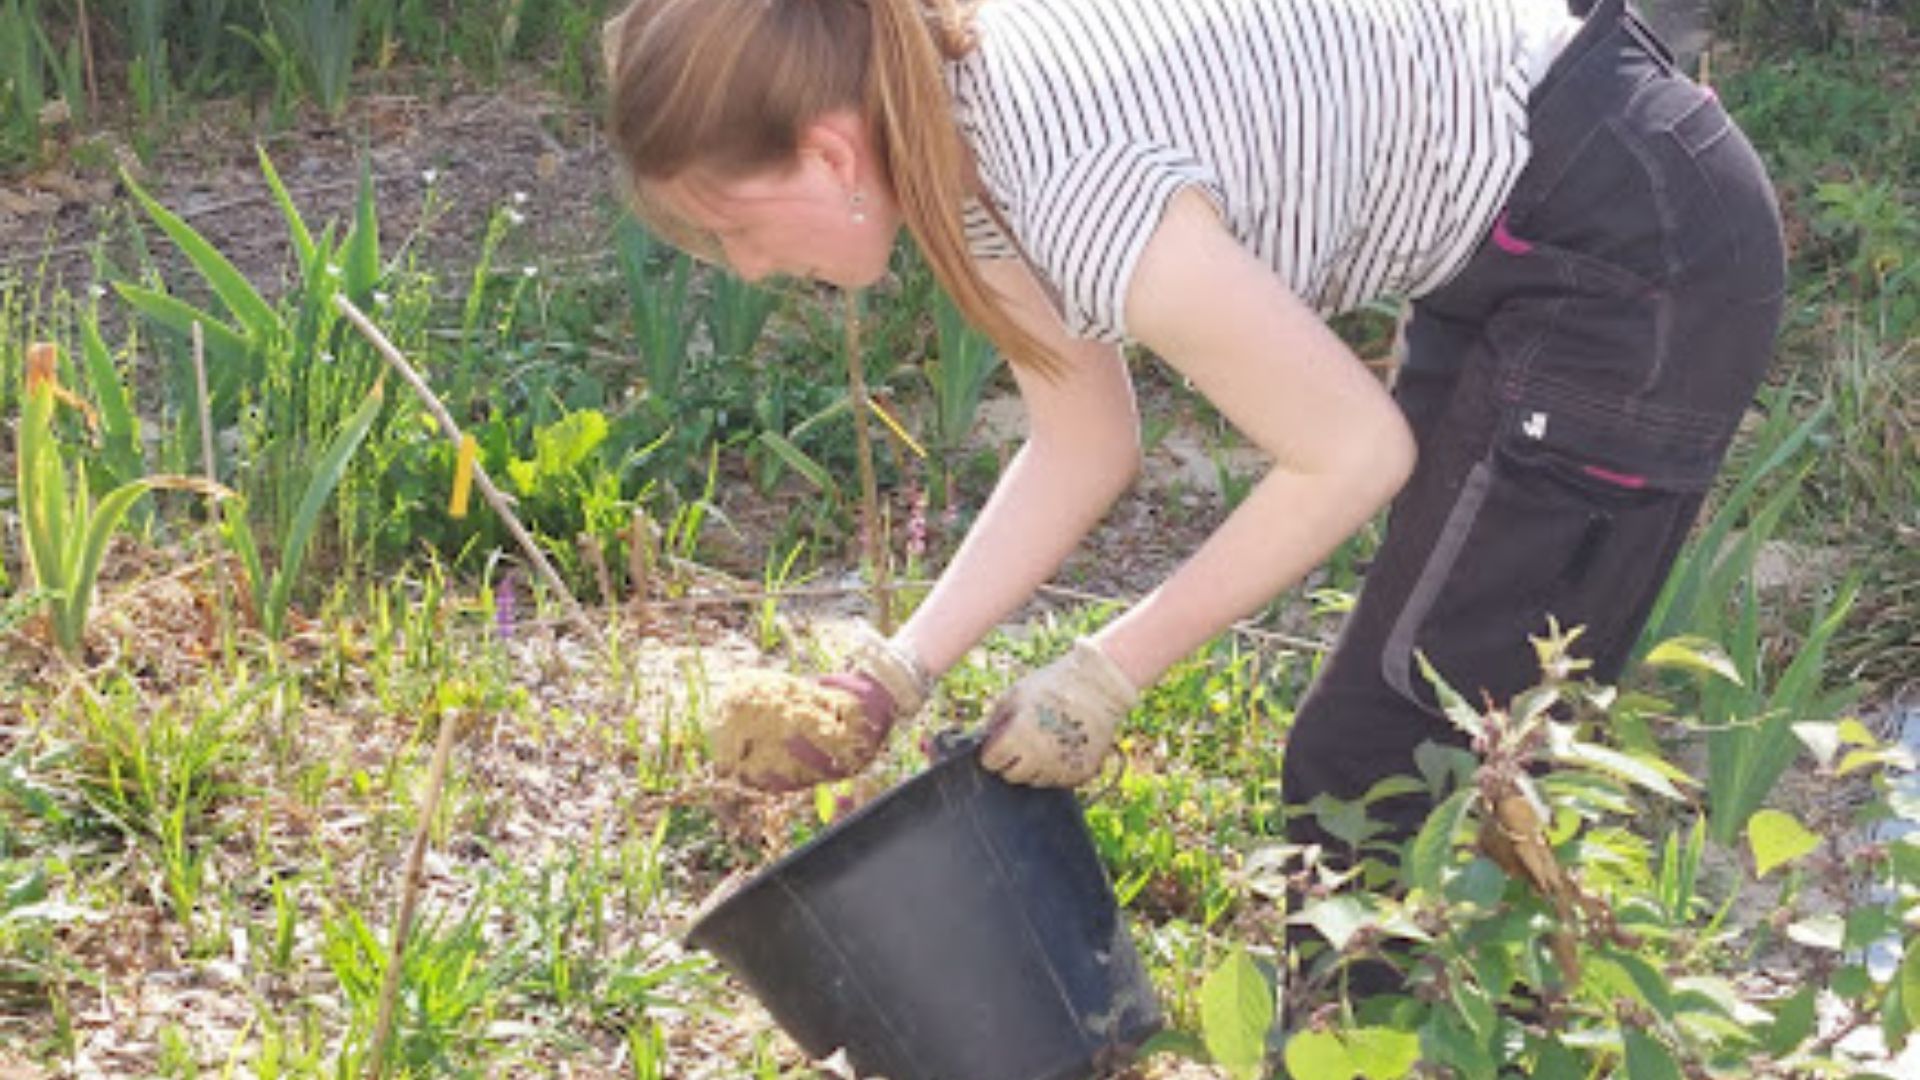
x=1573 y=390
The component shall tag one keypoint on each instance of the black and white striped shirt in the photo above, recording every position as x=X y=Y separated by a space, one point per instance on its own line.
x=1360 y=147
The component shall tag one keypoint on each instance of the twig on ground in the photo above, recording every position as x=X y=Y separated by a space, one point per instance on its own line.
x=410 y=888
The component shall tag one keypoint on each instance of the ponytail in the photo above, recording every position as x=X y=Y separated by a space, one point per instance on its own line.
x=908 y=105
x=731 y=84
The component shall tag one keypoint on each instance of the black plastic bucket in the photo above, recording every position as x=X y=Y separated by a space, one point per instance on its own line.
x=956 y=928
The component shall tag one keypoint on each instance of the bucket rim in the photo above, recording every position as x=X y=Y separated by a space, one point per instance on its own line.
x=950 y=751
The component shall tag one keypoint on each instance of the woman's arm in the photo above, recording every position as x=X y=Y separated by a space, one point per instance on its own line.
x=1339 y=444
x=1082 y=450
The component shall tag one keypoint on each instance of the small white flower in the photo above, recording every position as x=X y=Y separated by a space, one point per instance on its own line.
x=519 y=198
x=96 y=290
x=428 y=176
x=381 y=299
x=515 y=217
x=529 y=271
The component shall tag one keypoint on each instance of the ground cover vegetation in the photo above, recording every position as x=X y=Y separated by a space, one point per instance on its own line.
x=308 y=768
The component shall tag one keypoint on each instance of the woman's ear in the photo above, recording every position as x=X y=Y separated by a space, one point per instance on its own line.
x=840 y=141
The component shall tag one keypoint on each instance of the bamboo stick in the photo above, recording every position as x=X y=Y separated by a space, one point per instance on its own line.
x=494 y=496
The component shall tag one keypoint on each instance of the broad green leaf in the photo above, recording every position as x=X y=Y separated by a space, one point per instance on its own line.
x=1433 y=847
x=1910 y=985
x=797 y=460
x=1650 y=985
x=1648 y=772
x=1474 y=1008
x=223 y=341
x=1896 y=1012
x=1319 y=1055
x=1391 y=787
x=1827 y=932
x=1776 y=839
x=1853 y=983
x=226 y=281
x=1869 y=923
x=1480 y=884
x=1452 y=1043
x=1647 y=1058
x=1691 y=652
x=1380 y=1053
x=1338 y=918
x=1792 y=1023
x=1462 y=714
x=1236 y=1011
x=1556 y=1062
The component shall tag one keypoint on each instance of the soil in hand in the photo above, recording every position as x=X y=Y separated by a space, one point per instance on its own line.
x=779 y=731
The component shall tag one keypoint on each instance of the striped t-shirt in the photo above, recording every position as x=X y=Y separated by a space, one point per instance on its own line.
x=1359 y=147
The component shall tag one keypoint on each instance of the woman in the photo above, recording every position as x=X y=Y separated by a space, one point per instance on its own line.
x=1591 y=248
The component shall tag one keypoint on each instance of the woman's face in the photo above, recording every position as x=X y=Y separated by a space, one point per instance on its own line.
x=825 y=217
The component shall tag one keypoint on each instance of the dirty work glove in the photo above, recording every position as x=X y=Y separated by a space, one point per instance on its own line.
x=886 y=676
x=1054 y=728
x=891 y=685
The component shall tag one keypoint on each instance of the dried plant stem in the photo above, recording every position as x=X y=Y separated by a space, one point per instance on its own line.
x=595 y=557
x=410 y=888
x=86 y=59
x=640 y=561
x=495 y=498
x=869 y=486
x=206 y=402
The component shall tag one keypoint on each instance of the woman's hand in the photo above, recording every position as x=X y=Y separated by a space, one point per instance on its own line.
x=886 y=683
x=1056 y=726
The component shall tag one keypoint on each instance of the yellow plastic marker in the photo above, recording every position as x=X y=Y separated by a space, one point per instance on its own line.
x=462 y=478
x=899 y=430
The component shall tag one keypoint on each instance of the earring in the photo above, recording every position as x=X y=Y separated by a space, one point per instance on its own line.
x=858 y=201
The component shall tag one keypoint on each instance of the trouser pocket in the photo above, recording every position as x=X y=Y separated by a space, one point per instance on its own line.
x=1535 y=537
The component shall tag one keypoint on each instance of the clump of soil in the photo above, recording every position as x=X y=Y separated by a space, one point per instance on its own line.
x=761 y=730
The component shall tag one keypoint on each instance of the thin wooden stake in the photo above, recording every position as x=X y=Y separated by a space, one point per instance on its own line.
x=410 y=888
x=495 y=498
x=869 y=486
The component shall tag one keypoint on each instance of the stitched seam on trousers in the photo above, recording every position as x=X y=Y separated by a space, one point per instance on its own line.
x=1396 y=659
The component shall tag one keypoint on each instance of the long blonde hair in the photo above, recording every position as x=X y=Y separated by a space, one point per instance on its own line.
x=730 y=85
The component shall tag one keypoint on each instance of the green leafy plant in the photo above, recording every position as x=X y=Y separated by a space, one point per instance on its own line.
x=272 y=593
x=736 y=317
x=1538 y=932
x=37 y=81
x=317 y=39
x=65 y=532
x=663 y=320
x=958 y=374
x=1711 y=602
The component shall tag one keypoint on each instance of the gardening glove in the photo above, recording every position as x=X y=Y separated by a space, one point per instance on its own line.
x=857 y=708
x=1054 y=728
x=887 y=677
